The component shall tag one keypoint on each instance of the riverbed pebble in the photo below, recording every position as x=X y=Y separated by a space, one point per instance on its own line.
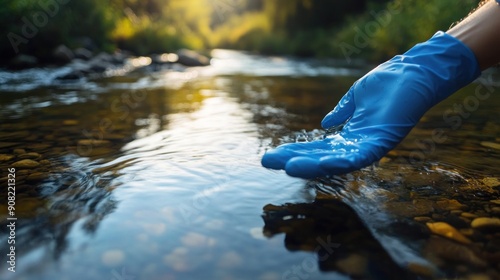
x=446 y=230
x=495 y=201
x=468 y=215
x=483 y=222
x=354 y=265
x=91 y=142
x=491 y=181
x=450 y=204
x=5 y=157
x=26 y=164
x=30 y=156
x=37 y=176
x=491 y=145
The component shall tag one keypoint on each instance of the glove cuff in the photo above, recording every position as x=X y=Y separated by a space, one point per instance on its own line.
x=449 y=64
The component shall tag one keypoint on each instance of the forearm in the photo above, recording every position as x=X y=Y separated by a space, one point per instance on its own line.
x=479 y=31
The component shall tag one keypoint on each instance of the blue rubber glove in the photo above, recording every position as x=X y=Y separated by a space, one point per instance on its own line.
x=380 y=109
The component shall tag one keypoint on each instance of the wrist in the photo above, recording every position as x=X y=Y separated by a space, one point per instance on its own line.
x=479 y=33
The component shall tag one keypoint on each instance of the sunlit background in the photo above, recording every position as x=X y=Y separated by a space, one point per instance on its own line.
x=133 y=164
x=300 y=27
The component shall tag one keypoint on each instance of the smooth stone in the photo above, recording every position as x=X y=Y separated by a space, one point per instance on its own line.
x=478 y=277
x=37 y=176
x=30 y=156
x=467 y=231
x=91 y=142
x=70 y=122
x=354 y=265
x=421 y=269
x=45 y=162
x=491 y=145
x=483 y=222
x=453 y=251
x=491 y=181
x=5 y=157
x=446 y=230
x=19 y=151
x=411 y=208
x=495 y=210
x=450 y=204
x=495 y=201
x=468 y=215
x=26 y=164
x=98 y=151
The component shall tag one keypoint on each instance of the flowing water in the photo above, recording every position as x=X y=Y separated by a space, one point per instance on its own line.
x=157 y=175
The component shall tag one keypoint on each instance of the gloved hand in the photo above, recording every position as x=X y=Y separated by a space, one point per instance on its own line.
x=380 y=109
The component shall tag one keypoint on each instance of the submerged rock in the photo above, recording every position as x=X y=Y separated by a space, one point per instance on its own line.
x=83 y=53
x=446 y=230
x=26 y=164
x=191 y=58
x=63 y=54
x=485 y=223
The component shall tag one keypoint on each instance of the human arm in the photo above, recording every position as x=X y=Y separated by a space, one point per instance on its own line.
x=383 y=106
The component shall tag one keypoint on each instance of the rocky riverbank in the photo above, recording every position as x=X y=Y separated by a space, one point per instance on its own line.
x=85 y=63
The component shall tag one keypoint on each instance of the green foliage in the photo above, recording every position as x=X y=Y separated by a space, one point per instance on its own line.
x=397 y=27
x=42 y=25
x=373 y=29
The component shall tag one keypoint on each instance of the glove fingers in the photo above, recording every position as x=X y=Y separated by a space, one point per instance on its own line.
x=304 y=167
x=278 y=158
x=348 y=162
x=341 y=113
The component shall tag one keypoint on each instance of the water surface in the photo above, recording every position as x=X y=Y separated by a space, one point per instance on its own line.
x=157 y=175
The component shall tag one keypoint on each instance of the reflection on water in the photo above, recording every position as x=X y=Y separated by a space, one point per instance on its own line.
x=156 y=175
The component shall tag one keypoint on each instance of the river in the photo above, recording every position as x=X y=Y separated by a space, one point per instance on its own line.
x=156 y=175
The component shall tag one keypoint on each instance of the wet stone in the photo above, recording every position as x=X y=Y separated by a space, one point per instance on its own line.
x=421 y=269
x=354 y=265
x=26 y=164
x=37 y=176
x=95 y=143
x=70 y=122
x=450 y=204
x=453 y=251
x=491 y=181
x=30 y=156
x=491 y=145
x=468 y=215
x=495 y=210
x=446 y=230
x=410 y=209
x=467 y=232
x=496 y=201
x=485 y=223
x=19 y=151
x=5 y=157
